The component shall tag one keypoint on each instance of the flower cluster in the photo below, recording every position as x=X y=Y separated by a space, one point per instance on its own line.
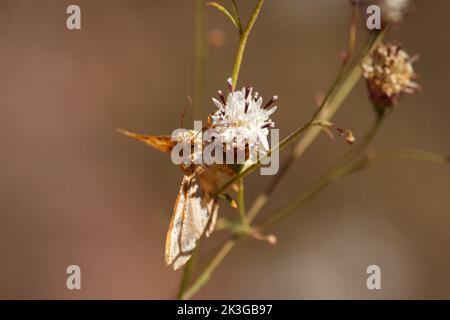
x=389 y=73
x=241 y=119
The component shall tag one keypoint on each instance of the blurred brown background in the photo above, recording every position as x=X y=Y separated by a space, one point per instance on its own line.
x=73 y=191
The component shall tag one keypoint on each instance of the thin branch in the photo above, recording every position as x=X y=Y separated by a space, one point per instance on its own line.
x=200 y=53
x=340 y=91
x=225 y=12
x=403 y=153
x=243 y=41
x=333 y=175
x=200 y=56
x=237 y=16
x=187 y=272
x=206 y=274
x=352 y=34
x=203 y=278
x=241 y=203
x=342 y=167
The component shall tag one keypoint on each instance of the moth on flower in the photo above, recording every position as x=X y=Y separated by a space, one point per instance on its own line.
x=240 y=118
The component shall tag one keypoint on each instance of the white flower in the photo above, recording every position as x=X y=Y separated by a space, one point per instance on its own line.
x=242 y=119
x=394 y=10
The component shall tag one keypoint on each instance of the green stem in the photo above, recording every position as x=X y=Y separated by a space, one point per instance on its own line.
x=187 y=272
x=241 y=203
x=206 y=274
x=342 y=167
x=263 y=198
x=415 y=154
x=237 y=17
x=339 y=92
x=225 y=12
x=334 y=174
x=200 y=57
x=347 y=167
x=200 y=53
x=243 y=41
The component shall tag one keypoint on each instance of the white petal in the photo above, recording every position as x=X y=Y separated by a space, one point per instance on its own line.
x=263 y=140
x=271 y=110
x=259 y=102
x=217 y=103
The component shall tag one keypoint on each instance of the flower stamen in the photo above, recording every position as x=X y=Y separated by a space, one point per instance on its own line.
x=274 y=98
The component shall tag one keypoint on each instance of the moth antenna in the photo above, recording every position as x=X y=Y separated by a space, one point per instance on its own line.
x=185 y=110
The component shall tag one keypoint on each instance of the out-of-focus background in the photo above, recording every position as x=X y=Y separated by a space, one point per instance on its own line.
x=73 y=191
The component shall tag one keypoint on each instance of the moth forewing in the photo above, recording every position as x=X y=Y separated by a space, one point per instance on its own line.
x=189 y=220
x=173 y=251
x=196 y=208
x=194 y=214
x=160 y=143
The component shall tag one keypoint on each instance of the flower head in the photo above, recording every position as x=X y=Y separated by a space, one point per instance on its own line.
x=389 y=73
x=394 y=10
x=242 y=120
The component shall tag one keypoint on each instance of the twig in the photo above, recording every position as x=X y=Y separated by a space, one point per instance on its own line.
x=206 y=274
x=342 y=88
x=333 y=175
x=237 y=16
x=243 y=41
x=225 y=12
x=342 y=167
x=203 y=278
x=200 y=57
x=200 y=53
x=415 y=154
x=241 y=203
x=187 y=272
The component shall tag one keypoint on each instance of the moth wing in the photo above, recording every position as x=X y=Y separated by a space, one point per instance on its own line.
x=190 y=219
x=161 y=143
x=211 y=178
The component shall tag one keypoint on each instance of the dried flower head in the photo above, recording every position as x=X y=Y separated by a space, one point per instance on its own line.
x=242 y=120
x=389 y=73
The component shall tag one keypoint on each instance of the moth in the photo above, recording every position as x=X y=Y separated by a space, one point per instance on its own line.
x=196 y=207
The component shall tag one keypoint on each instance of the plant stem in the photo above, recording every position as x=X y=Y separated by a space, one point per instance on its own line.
x=263 y=198
x=206 y=274
x=415 y=154
x=241 y=203
x=346 y=168
x=225 y=12
x=334 y=174
x=203 y=278
x=237 y=16
x=342 y=167
x=352 y=35
x=200 y=53
x=342 y=88
x=200 y=57
x=243 y=41
x=187 y=272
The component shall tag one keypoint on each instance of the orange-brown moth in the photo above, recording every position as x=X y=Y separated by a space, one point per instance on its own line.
x=195 y=210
